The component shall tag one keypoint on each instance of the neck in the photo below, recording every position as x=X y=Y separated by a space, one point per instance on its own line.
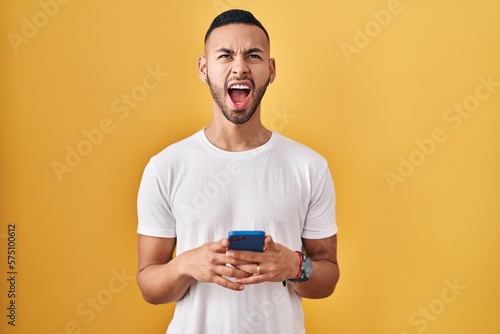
x=237 y=137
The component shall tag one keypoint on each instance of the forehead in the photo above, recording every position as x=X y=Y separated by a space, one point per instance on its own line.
x=237 y=36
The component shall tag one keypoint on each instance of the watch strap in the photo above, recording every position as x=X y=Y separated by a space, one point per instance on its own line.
x=303 y=274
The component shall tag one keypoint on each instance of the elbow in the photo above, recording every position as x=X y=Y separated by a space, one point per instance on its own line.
x=149 y=298
x=329 y=289
x=334 y=283
x=156 y=292
x=152 y=295
x=148 y=293
x=152 y=298
x=326 y=292
x=153 y=301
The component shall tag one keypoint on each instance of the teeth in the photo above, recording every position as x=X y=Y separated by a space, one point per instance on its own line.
x=239 y=87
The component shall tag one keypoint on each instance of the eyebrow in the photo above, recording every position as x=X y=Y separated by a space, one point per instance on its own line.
x=246 y=52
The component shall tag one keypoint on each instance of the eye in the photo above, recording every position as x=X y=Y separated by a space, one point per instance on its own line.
x=255 y=56
x=224 y=56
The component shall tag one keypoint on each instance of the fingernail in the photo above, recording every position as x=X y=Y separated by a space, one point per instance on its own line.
x=241 y=288
x=229 y=254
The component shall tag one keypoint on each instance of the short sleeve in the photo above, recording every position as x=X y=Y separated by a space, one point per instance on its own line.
x=153 y=210
x=320 y=220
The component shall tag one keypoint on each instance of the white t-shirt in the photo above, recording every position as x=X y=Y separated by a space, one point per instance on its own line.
x=197 y=193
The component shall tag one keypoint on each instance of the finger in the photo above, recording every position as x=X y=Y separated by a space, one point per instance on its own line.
x=219 y=246
x=225 y=283
x=251 y=269
x=268 y=242
x=225 y=243
x=235 y=272
x=254 y=279
x=236 y=263
x=244 y=256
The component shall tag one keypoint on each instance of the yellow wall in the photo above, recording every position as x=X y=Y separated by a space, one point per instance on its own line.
x=402 y=97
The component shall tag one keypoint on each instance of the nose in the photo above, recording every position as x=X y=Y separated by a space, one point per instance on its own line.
x=240 y=67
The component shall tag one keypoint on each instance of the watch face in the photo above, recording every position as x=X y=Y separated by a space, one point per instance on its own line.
x=308 y=268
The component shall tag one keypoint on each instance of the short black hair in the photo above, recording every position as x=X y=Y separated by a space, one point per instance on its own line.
x=234 y=16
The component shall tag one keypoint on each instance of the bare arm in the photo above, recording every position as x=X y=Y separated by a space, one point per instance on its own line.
x=278 y=263
x=164 y=279
x=325 y=274
x=158 y=275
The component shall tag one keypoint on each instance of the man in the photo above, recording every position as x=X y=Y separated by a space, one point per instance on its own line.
x=236 y=175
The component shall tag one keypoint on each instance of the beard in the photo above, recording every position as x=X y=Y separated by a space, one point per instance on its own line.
x=237 y=116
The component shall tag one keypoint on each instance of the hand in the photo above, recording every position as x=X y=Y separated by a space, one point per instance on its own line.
x=276 y=264
x=207 y=263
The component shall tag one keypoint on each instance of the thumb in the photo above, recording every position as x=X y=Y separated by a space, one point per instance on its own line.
x=221 y=245
x=268 y=242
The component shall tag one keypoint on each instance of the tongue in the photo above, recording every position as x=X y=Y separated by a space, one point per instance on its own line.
x=238 y=95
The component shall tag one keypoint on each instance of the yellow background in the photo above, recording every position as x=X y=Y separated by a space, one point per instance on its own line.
x=401 y=244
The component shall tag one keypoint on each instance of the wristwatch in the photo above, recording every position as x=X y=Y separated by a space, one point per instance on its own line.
x=305 y=269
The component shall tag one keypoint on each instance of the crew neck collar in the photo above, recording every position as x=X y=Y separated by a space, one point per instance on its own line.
x=241 y=154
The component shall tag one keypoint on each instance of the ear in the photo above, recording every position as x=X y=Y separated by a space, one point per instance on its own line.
x=202 y=69
x=272 y=70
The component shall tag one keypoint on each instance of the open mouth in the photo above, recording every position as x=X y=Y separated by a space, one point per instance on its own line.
x=239 y=93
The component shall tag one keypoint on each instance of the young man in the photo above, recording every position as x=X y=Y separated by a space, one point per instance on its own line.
x=236 y=175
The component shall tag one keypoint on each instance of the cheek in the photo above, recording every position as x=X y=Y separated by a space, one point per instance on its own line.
x=261 y=72
x=217 y=78
x=217 y=69
x=261 y=77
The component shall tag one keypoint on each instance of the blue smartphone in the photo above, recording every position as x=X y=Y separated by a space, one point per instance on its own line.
x=247 y=240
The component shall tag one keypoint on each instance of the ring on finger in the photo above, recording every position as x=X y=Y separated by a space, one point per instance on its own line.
x=258 y=268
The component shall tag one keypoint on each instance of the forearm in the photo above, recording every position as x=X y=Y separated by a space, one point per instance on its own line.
x=321 y=284
x=163 y=283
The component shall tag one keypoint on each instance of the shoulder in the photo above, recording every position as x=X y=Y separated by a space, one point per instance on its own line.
x=299 y=152
x=179 y=151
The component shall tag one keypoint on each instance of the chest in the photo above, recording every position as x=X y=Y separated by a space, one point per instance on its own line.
x=209 y=201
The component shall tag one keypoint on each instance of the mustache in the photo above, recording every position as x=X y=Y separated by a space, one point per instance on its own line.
x=226 y=84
